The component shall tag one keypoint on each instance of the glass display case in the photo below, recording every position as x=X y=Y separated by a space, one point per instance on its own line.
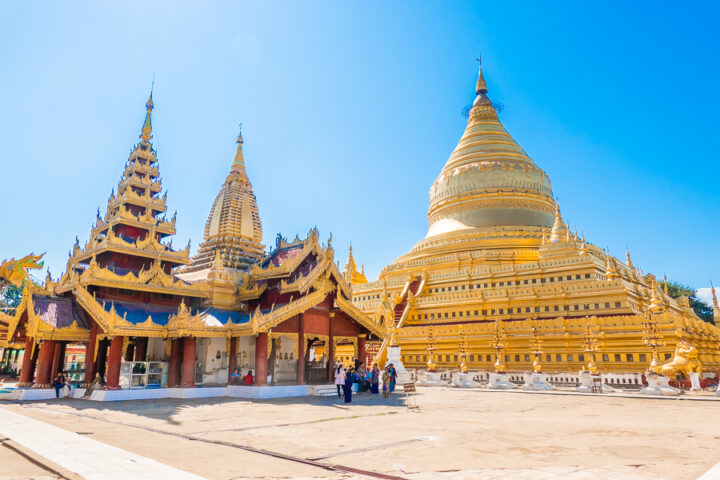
x=144 y=374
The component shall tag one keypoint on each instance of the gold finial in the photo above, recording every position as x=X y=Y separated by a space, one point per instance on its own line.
x=714 y=297
x=480 y=87
x=665 y=284
x=238 y=164
x=146 y=133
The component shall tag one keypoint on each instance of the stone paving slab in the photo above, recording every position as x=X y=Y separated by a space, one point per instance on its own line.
x=87 y=457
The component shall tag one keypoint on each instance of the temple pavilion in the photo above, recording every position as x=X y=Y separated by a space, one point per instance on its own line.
x=498 y=257
x=142 y=313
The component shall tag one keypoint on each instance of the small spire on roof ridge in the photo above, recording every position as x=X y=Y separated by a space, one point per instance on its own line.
x=559 y=229
x=611 y=272
x=628 y=262
x=481 y=86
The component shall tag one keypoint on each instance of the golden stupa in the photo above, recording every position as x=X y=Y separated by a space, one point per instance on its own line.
x=497 y=248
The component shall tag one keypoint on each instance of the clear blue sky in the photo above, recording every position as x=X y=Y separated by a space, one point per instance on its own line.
x=350 y=110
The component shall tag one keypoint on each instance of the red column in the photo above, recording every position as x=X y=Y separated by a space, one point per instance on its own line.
x=301 y=351
x=113 y=364
x=188 y=365
x=141 y=344
x=331 y=350
x=45 y=360
x=90 y=356
x=232 y=357
x=58 y=359
x=261 y=361
x=28 y=364
x=174 y=366
x=362 y=354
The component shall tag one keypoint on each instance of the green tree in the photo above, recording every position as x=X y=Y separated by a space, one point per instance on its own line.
x=10 y=297
x=702 y=309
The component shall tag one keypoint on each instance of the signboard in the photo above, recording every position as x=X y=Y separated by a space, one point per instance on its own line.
x=409 y=387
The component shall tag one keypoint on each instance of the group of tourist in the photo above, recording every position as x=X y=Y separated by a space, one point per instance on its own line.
x=366 y=380
x=236 y=378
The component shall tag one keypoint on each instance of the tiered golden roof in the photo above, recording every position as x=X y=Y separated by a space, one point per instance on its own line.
x=233 y=227
x=126 y=247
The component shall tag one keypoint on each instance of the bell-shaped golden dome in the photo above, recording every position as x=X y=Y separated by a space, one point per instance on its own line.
x=489 y=180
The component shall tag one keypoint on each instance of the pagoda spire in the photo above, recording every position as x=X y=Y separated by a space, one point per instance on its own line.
x=351 y=273
x=238 y=164
x=716 y=307
x=146 y=133
x=481 y=86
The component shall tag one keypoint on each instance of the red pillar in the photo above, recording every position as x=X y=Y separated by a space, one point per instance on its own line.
x=301 y=351
x=45 y=360
x=58 y=359
x=362 y=354
x=174 y=366
x=113 y=364
x=261 y=360
x=331 y=350
x=90 y=356
x=232 y=358
x=188 y=365
x=28 y=364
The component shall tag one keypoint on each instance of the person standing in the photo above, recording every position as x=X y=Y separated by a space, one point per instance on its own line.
x=374 y=379
x=349 y=380
x=340 y=380
x=386 y=382
x=360 y=375
x=393 y=377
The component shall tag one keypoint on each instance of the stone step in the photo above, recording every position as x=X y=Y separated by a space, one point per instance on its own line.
x=322 y=390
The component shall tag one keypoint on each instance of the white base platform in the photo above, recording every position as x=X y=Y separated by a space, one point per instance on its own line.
x=29 y=394
x=235 y=391
x=658 y=385
x=536 y=381
x=500 y=381
x=463 y=380
x=430 y=379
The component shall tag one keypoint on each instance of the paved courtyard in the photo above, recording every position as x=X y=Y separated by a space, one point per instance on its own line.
x=458 y=434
